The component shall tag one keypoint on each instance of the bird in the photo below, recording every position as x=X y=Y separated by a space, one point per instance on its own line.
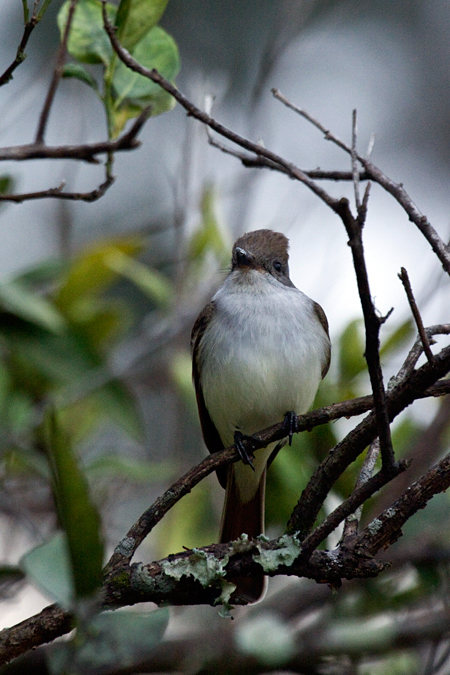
x=260 y=348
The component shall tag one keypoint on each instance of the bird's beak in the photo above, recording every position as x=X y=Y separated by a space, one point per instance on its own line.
x=244 y=259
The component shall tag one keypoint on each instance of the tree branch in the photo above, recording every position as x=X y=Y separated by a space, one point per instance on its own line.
x=20 y=54
x=395 y=189
x=57 y=74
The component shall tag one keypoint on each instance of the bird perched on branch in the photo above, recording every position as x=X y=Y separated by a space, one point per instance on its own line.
x=260 y=349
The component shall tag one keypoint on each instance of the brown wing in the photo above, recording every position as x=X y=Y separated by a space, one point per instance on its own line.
x=209 y=431
x=324 y=321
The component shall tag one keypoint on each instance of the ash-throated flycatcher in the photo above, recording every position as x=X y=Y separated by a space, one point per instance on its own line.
x=260 y=349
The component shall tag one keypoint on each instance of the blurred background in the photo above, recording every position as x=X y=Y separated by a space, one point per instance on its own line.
x=97 y=300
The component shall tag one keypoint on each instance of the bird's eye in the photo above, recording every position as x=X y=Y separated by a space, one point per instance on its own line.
x=277 y=266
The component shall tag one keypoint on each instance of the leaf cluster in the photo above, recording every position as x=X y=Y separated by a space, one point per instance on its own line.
x=124 y=94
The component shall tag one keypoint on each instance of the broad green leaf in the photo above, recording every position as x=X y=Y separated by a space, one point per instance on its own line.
x=209 y=236
x=16 y=299
x=157 y=49
x=77 y=514
x=135 y=18
x=152 y=283
x=77 y=71
x=6 y=183
x=89 y=274
x=111 y=641
x=88 y=40
x=48 y=566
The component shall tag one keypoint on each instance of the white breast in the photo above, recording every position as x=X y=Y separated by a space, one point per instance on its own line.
x=261 y=356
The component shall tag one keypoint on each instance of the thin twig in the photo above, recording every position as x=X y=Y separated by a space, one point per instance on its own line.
x=386 y=528
x=367 y=469
x=20 y=54
x=415 y=353
x=404 y=278
x=86 y=152
x=57 y=74
x=395 y=189
x=372 y=325
x=354 y=156
x=352 y=505
x=199 y=114
x=346 y=451
x=58 y=193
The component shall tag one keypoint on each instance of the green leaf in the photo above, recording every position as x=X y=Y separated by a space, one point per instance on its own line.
x=88 y=41
x=157 y=49
x=6 y=184
x=209 y=236
x=77 y=71
x=111 y=641
x=77 y=514
x=16 y=299
x=89 y=274
x=48 y=566
x=151 y=282
x=135 y=18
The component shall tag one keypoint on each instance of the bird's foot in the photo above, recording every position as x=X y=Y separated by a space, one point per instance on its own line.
x=239 y=441
x=290 y=424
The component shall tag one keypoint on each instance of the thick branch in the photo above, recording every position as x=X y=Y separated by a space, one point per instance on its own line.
x=345 y=452
x=386 y=529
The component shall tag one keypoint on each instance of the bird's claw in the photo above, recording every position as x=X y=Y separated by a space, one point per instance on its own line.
x=290 y=424
x=246 y=457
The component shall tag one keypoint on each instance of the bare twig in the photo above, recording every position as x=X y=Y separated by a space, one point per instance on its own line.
x=354 y=156
x=361 y=494
x=57 y=74
x=347 y=450
x=59 y=193
x=397 y=190
x=351 y=522
x=372 y=324
x=404 y=278
x=386 y=529
x=202 y=116
x=87 y=152
x=20 y=54
x=416 y=351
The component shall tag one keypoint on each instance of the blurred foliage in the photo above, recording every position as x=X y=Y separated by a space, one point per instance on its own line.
x=124 y=93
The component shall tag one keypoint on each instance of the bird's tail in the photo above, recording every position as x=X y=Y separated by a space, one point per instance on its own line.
x=240 y=517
